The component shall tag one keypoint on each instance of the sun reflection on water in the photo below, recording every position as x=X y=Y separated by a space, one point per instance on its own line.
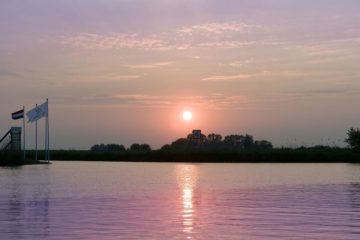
x=187 y=177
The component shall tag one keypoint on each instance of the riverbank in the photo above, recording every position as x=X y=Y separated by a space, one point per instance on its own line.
x=11 y=158
x=301 y=155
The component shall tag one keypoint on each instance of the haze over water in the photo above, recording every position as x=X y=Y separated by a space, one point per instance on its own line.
x=91 y=200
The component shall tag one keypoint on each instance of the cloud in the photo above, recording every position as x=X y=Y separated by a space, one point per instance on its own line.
x=172 y=40
x=239 y=64
x=8 y=73
x=107 y=77
x=296 y=73
x=347 y=41
x=114 y=41
x=212 y=101
x=226 y=44
x=216 y=28
x=328 y=48
x=220 y=101
x=151 y=65
x=142 y=100
x=227 y=77
x=324 y=91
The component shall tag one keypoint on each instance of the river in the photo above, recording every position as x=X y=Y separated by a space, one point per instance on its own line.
x=108 y=200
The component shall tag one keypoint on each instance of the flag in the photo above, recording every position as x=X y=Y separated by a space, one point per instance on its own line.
x=38 y=112
x=17 y=115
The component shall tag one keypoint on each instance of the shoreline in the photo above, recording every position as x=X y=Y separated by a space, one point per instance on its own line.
x=301 y=155
x=15 y=159
x=326 y=155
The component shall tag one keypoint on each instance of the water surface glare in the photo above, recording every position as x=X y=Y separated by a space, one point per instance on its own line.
x=105 y=200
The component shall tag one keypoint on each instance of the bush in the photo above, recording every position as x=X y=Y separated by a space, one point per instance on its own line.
x=354 y=138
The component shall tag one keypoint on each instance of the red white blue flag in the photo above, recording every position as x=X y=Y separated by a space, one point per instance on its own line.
x=18 y=114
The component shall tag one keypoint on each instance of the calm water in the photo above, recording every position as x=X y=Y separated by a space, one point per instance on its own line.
x=87 y=200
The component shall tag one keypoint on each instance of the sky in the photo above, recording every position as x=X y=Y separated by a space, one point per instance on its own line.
x=123 y=71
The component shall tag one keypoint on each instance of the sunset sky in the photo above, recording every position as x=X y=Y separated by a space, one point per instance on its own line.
x=124 y=71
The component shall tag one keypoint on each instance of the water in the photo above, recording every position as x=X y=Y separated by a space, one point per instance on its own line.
x=99 y=200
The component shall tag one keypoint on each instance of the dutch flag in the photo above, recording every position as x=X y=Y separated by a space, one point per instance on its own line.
x=17 y=115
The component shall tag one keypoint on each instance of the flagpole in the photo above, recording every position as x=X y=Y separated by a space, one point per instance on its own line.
x=36 y=139
x=48 y=130
x=24 y=134
x=46 y=136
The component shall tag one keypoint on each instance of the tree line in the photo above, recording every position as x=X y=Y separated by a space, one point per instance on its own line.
x=216 y=142
x=135 y=147
x=212 y=141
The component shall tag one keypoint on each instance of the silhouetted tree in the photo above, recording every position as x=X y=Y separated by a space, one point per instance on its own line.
x=214 y=142
x=135 y=147
x=248 y=141
x=214 y=138
x=263 y=144
x=180 y=144
x=116 y=147
x=145 y=147
x=233 y=141
x=353 y=138
x=108 y=148
x=239 y=141
x=166 y=147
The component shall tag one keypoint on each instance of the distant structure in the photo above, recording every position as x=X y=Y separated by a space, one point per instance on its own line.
x=15 y=138
x=11 y=140
x=196 y=134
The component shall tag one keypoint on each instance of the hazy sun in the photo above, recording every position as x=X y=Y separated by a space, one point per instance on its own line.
x=187 y=115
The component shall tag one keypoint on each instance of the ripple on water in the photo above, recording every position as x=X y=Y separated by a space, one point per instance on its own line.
x=174 y=201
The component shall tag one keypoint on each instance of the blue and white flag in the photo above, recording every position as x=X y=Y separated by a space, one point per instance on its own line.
x=18 y=114
x=38 y=112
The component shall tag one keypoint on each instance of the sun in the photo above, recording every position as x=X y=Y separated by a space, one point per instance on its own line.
x=187 y=115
